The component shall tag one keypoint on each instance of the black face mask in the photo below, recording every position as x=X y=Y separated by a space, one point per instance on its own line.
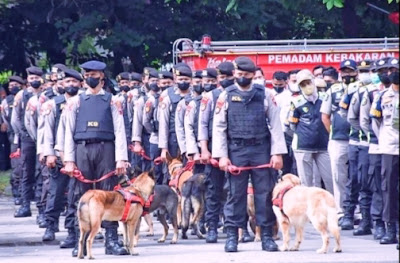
x=209 y=87
x=154 y=87
x=328 y=85
x=72 y=90
x=227 y=82
x=279 y=89
x=348 y=79
x=124 y=88
x=60 y=90
x=14 y=90
x=198 y=88
x=183 y=85
x=384 y=78
x=243 y=82
x=35 y=84
x=394 y=77
x=93 y=82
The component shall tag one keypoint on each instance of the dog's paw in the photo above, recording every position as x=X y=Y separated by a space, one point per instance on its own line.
x=161 y=240
x=283 y=248
x=149 y=234
x=134 y=254
x=91 y=258
x=321 y=251
x=174 y=241
x=257 y=239
x=337 y=250
x=294 y=249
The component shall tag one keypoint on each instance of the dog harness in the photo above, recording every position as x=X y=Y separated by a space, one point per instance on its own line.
x=188 y=167
x=278 y=201
x=130 y=197
x=146 y=208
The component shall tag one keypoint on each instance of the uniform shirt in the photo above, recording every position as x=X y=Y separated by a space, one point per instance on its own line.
x=206 y=111
x=148 y=118
x=5 y=110
x=220 y=125
x=283 y=100
x=365 y=120
x=385 y=121
x=192 y=147
x=137 y=124
x=180 y=126
x=31 y=116
x=121 y=151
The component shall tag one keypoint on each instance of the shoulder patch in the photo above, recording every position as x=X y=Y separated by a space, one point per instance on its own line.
x=203 y=103
x=219 y=105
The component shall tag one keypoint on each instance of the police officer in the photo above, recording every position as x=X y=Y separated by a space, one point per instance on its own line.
x=28 y=147
x=133 y=95
x=385 y=123
x=95 y=142
x=58 y=182
x=15 y=84
x=169 y=99
x=241 y=137
x=339 y=130
x=310 y=139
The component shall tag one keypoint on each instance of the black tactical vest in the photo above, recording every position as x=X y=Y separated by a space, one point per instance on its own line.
x=49 y=93
x=94 y=118
x=154 y=119
x=60 y=104
x=246 y=113
x=10 y=103
x=215 y=94
x=174 y=98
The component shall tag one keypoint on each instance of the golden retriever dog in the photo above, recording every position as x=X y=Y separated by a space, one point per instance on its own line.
x=98 y=205
x=300 y=204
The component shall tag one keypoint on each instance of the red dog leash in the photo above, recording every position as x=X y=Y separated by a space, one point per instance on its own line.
x=236 y=170
x=15 y=155
x=141 y=153
x=79 y=176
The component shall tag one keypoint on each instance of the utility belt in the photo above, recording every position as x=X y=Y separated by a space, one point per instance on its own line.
x=92 y=141
x=247 y=142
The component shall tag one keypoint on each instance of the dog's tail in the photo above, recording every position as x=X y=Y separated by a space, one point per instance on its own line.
x=186 y=204
x=84 y=212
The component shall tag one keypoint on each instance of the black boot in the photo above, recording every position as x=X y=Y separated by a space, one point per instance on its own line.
x=364 y=228
x=380 y=229
x=390 y=237
x=348 y=220
x=112 y=245
x=70 y=241
x=246 y=236
x=24 y=210
x=41 y=219
x=212 y=234
x=49 y=235
x=231 y=243
x=99 y=236
x=267 y=241
x=17 y=201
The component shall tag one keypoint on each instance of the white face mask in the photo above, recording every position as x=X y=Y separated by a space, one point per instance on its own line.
x=365 y=78
x=259 y=81
x=294 y=87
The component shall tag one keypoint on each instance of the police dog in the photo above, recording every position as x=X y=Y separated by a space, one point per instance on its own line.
x=299 y=205
x=193 y=203
x=98 y=205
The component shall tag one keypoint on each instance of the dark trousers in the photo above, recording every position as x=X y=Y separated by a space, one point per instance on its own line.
x=374 y=172
x=173 y=147
x=363 y=178
x=263 y=182
x=214 y=190
x=154 y=153
x=28 y=162
x=146 y=164
x=390 y=188
x=289 y=162
x=15 y=178
x=42 y=185
x=95 y=160
x=352 y=186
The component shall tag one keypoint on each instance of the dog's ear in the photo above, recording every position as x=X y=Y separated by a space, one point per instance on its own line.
x=169 y=158
x=137 y=171
x=151 y=173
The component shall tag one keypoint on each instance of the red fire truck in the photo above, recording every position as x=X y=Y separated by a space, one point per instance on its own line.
x=284 y=55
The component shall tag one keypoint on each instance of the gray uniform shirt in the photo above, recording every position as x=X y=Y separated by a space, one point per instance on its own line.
x=148 y=115
x=180 y=126
x=192 y=146
x=206 y=109
x=137 y=125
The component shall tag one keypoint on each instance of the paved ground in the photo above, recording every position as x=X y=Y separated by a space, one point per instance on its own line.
x=20 y=241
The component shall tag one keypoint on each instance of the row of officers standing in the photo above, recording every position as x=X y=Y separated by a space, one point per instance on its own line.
x=68 y=120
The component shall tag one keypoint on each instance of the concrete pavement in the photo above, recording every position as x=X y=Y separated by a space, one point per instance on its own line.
x=20 y=241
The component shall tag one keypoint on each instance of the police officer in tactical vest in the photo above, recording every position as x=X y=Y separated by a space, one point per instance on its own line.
x=95 y=142
x=242 y=137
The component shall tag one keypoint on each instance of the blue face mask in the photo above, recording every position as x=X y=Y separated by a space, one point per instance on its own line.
x=375 y=78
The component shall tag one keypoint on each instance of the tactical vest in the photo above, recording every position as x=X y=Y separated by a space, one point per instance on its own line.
x=145 y=98
x=215 y=94
x=174 y=98
x=154 y=120
x=25 y=98
x=246 y=113
x=340 y=127
x=94 y=118
x=49 y=93
x=60 y=104
x=310 y=131
x=197 y=101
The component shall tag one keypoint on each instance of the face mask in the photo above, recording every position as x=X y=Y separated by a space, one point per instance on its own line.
x=154 y=87
x=227 y=82
x=348 y=79
x=183 y=85
x=72 y=90
x=328 y=85
x=243 y=82
x=308 y=90
x=93 y=82
x=35 y=84
x=394 y=77
x=198 y=88
x=14 y=90
x=136 y=87
x=294 y=88
x=60 y=90
x=365 y=78
x=384 y=78
x=279 y=89
x=209 y=87
x=124 y=88
x=259 y=82
x=375 y=78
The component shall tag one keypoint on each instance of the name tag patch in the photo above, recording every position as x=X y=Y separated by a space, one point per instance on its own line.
x=93 y=124
x=236 y=98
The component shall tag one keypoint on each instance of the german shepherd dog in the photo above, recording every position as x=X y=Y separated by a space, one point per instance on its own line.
x=97 y=205
x=300 y=204
x=193 y=203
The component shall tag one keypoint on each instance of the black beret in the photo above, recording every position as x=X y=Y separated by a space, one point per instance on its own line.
x=17 y=79
x=364 y=64
x=183 y=71
x=73 y=74
x=245 y=64
x=209 y=73
x=197 y=74
x=123 y=76
x=165 y=75
x=136 y=76
x=225 y=68
x=34 y=71
x=393 y=63
x=57 y=68
x=348 y=63
x=93 y=65
x=180 y=64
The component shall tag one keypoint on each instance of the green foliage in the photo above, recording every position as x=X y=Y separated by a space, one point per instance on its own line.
x=4 y=76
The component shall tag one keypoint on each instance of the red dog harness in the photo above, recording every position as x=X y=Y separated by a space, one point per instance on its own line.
x=278 y=201
x=130 y=197
x=189 y=167
x=146 y=208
